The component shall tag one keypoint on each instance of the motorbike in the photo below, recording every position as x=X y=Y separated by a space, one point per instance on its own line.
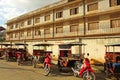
x=47 y=64
x=84 y=70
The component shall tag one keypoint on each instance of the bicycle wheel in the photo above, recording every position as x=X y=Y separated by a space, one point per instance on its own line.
x=89 y=76
x=46 y=70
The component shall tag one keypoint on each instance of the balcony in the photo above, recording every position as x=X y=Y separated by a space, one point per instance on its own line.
x=70 y=34
x=48 y=36
x=38 y=36
x=28 y=37
x=13 y=39
x=106 y=31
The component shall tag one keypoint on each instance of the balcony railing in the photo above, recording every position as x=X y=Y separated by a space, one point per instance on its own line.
x=103 y=31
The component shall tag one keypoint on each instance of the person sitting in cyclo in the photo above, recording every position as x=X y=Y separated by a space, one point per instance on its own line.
x=109 y=66
x=116 y=68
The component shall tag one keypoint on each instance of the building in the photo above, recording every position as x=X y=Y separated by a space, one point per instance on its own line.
x=94 y=22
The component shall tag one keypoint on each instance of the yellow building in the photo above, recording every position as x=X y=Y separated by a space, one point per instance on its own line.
x=94 y=22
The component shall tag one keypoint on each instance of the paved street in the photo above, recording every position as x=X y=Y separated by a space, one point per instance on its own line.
x=11 y=71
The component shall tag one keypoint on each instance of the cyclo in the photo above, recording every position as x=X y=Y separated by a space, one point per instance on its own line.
x=5 y=51
x=41 y=54
x=22 y=55
x=66 y=59
x=112 y=57
x=75 y=61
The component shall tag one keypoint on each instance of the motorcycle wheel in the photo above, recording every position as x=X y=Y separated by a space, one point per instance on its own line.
x=46 y=70
x=90 y=76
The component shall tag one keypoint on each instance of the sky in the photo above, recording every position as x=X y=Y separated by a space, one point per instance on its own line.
x=12 y=8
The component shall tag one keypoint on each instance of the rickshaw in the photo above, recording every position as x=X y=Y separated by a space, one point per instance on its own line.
x=7 y=50
x=39 y=53
x=68 y=60
x=21 y=53
x=112 y=54
x=4 y=48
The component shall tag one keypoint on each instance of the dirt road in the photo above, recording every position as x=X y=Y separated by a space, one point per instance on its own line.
x=11 y=71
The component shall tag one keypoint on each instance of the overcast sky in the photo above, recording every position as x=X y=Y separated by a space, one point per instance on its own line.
x=13 y=8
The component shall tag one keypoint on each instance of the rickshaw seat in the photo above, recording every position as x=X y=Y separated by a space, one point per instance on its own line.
x=117 y=69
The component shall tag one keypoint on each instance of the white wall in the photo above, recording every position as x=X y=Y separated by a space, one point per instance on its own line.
x=96 y=47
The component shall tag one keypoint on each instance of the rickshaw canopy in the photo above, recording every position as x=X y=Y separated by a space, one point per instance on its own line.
x=72 y=44
x=43 y=44
x=6 y=44
x=21 y=44
x=113 y=44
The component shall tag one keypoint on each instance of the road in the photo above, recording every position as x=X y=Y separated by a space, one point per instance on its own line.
x=11 y=71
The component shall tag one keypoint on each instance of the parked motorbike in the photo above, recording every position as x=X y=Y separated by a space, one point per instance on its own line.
x=47 y=64
x=84 y=70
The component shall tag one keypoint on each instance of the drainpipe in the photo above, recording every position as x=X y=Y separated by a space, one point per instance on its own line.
x=84 y=18
x=53 y=22
x=19 y=30
x=33 y=29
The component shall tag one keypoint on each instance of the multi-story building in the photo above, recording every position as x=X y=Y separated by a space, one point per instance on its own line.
x=94 y=22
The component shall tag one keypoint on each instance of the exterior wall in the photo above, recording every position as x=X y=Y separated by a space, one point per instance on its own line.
x=96 y=47
x=103 y=5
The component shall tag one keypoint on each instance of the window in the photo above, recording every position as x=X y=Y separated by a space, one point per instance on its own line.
x=47 y=17
x=74 y=11
x=11 y=35
x=37 y=20
x=29 y=22
x=115 y=23
x=37 y=31
x=16 y=35
x=59 y=14
x=21 y=34
x=29 y=33
x=93 y=25
x=74 y=27
x=93 y=6
x=114 y=2
x=47 y=31
x=22 y=24
x=16 y=26
x=59 y=28
x=11 y=27
x=70 y=0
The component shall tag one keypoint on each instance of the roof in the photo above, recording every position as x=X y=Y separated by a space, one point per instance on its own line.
x=72 y=44
x=113 y=44
x=2 y=28
x=43 y=44
x=21 y=44
x=5 y=44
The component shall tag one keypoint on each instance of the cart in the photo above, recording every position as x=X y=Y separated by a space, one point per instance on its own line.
x=21 y=54
x=66 y=59
x=112 y=54
x=3 y=48
x=39 y=53
x=7 y=51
